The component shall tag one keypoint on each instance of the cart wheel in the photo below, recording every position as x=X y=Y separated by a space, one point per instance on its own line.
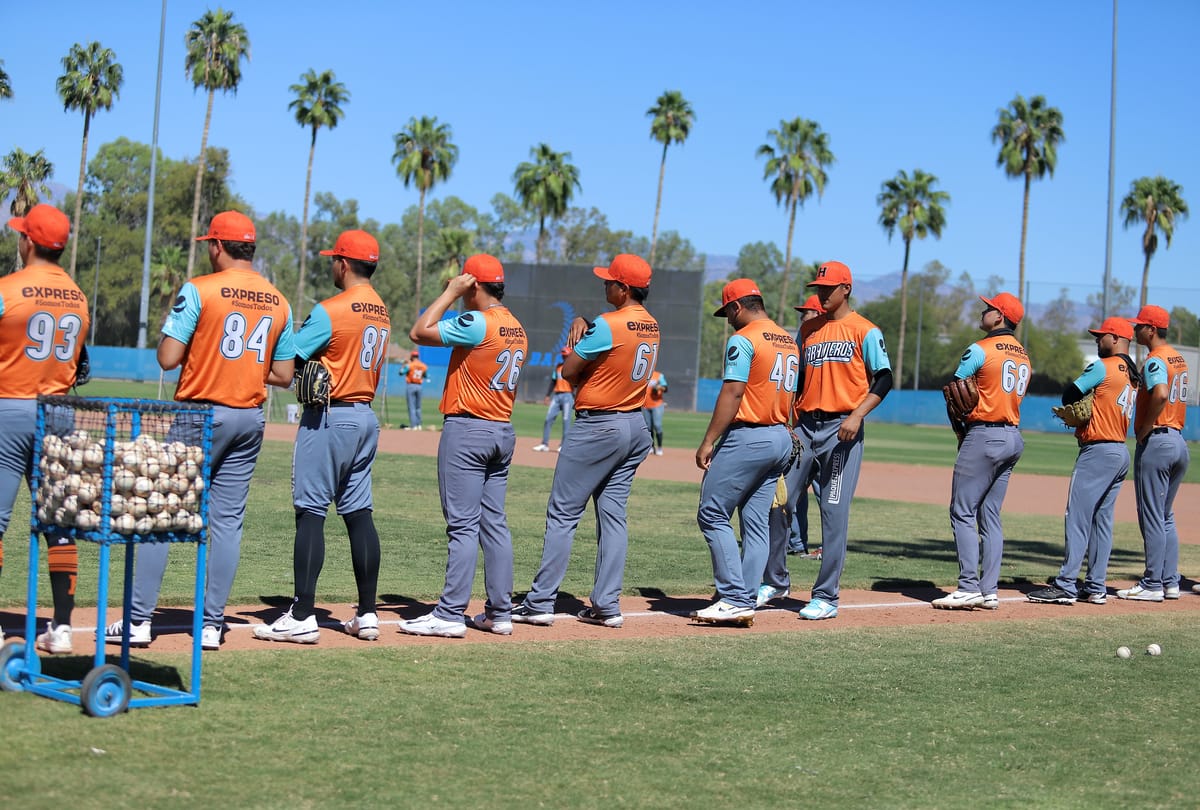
x=13 y=665
x=105 y=691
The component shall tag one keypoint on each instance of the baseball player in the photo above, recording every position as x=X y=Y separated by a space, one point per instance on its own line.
x=1100 y=467
x=613 y=358
x=335 y=445
x=653 y=409
x=989 y=451
x=43 y=322
x=844 y=374
x=414 y=372
x=788 y=525
x=231 y=331
x=476 y=448
x=750 y=420
x=1160 y=459
x=560 y=396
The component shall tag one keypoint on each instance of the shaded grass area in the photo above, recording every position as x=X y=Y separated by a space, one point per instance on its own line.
x=898 y=717
x=894 y=547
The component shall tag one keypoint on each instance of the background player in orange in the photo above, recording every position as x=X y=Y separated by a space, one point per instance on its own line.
x=750 y=420
x=844 y=374
x=1100 y=468
x=476 y=446
x=335 y=444
x=43 y=322
x=561 y=399
x=415 y=374
x=653 y=408
x=989 y=451
x=1161 y=457
x=231 y=331
x=613 y=357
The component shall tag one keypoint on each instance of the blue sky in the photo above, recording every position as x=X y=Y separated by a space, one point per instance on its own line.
x=896 y=85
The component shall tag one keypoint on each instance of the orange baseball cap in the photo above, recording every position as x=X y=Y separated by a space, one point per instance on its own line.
x=1149 y=315
x=1121 y=327
x=831 y=274
x=230 y=226
x=44 y=225
x=738 y=288
x=1007 y=305
x=630 y=270
x=485 y=268
x=414 y=353
x=358 y=245
x=813 y=303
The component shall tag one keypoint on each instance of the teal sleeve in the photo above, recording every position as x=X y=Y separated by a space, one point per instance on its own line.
x=738 y=353
x=875 y=352
x=595 y=341
x=972 y=361
x=1092 y=376
x=285 y=349
x=314 y=334
x=1154 y=372
x=185 y=314
x=468 y=329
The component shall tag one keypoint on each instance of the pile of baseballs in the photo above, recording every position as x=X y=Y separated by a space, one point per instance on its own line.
x=156 y=486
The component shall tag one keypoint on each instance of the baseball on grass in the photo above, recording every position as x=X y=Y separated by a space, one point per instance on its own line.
x=1154 y=649
x=1123 y=652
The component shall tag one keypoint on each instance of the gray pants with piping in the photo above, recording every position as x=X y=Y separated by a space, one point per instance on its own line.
x=981 y=472
x=1100 y=469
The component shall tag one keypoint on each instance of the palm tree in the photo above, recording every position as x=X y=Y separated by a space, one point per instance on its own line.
x=166 y=276
x=1029 y=134
x=317 y=104
x=453 y=246
x=1159 y=203
x=545 y=188
x=673 y=118
x=216 y=46
x=425 y=155
x=796 y=167
x=24 y=176
x=91 y=81
x=911 y=205
x=5 y=82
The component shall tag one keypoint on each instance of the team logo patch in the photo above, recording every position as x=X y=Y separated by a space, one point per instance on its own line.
x=591 y=330
x=966 y=354
x=466 y=319
x=732 y=354
x=179 y=305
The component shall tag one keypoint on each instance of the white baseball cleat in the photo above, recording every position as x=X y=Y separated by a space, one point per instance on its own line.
x=365 y=626
x=959 y=600
x=541 y=448
x=430 y=625
x=721 y=612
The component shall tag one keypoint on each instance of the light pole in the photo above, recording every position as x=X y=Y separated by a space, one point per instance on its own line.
x=920 y=322
x=144 y=306
x=1112 y=139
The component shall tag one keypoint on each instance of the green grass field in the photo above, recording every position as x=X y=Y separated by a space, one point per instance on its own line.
x=1011 y=712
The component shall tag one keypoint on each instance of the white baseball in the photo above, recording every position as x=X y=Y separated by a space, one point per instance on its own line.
x=86 y=492
x=167 y=460
x=130 y=459
x=93 y=457
x=189 y=501
x=124 y=524
x=78 y=439
x=155 y=502
x=180 y=520
x=1123 y=652
x=198 y=484
x=143 y=486
x=51 y=448
x=195 y=524
x=123 y=480
x=1154 y=649
x=75 y=461
x=44 y=515
x=180 y=484
x=172 y=502
x=116 y=506
x=57 y=470
x=163 y=521
x=87 y=520
x=144 y=525
x=163 y=483
x=137 y=507
x=149 y=468
x=189 y=469
x=72 y=482
x=61 y=519
x=195 y=454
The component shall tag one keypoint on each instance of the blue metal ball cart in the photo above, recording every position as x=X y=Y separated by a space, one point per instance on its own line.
x=114 y=472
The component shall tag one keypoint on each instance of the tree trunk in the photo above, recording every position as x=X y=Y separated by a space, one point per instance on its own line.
x=298 y=305
x=1147 y=251
x=420 y=253
x=662 y=171
x=87 y=120
x=191 y=265
x=899 y=370
x=1024 y=229
x=787 y=262
x=541 y=238
x=1145 y=280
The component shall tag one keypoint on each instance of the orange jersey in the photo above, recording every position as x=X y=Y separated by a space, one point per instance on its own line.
x=1165 y=366
x=764 y=357
x=415 y=372
x=43 y=323
x=1113 y=399
x=349 y=335
x=623 y=349
x=654 y=393
x=840 y=358
x=234 y=324
x=561 y=386
x=490 y=348
x=1002 y=371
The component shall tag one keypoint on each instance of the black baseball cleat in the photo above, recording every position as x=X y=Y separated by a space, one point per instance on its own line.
x=1052 y=596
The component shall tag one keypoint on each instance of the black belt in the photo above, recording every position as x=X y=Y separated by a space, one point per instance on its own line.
x=1100 y=441
x=734 y=425
x=1162 y=430
x=211 y=404
x=825 y=416
x=597 y=412
x=989 y=424
x=336 y=403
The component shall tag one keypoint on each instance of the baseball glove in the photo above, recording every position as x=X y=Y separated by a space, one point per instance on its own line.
x=1078 y=413
x=961 y=398
x=313 y=384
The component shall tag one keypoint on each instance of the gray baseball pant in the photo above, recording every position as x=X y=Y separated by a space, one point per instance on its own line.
x=332 y=459
x=412 y=393
x=782 y=519
x=473 y=460
x=981 y=472
x=741 y=476
x=237 y=436
x=563 y=403
x=1158 y=468
x=1099 y=472
x=597 y=462
x=834 y=465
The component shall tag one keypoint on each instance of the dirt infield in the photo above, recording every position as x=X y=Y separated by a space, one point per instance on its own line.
x=659 y=615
